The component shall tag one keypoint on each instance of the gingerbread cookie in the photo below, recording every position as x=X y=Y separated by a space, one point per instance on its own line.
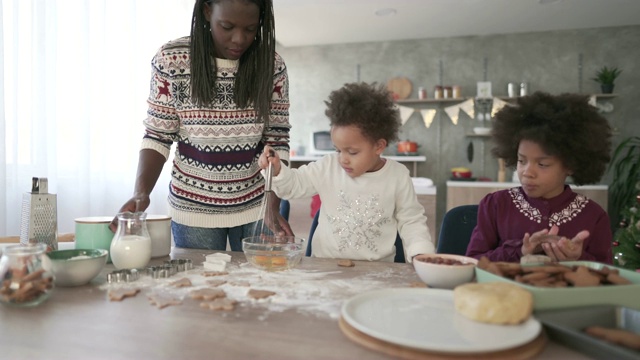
x=346 y=263
x=582 y=277
x=219 y=304
x=259 y=294
x=216 y=282
x=162 y=300
x=184 y=282
x=214 y=273
x=617 y=336
x=119 y=294
x=207 y=294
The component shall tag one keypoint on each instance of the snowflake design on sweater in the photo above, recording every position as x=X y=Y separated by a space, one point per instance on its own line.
x=224 y=94
x=561 y=217
x=357 y=222
x=181 y=91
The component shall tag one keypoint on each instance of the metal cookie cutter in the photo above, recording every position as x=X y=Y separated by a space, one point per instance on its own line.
x=124 y=275
x=157 y=272
x=180 y=264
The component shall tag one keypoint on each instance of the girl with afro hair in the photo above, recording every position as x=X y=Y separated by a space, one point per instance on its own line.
x=548 y=139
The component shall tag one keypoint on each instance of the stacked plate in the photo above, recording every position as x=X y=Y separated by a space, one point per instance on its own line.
x=425 y=320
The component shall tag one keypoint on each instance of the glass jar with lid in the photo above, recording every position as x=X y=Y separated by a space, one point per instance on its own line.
x=25 y=282
x=438 y=92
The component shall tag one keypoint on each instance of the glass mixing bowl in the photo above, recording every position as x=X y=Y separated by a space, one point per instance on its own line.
x=273 y=253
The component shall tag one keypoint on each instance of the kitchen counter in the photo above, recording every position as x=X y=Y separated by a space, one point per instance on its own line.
x=301 y=323
x=471 y=192
x=399 y=158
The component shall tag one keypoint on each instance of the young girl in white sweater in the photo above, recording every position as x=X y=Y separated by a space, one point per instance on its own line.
x=367 y=200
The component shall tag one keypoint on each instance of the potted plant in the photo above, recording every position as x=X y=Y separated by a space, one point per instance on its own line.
x=606 y=77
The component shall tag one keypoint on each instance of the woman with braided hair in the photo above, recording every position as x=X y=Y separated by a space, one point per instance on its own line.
x=221 y=94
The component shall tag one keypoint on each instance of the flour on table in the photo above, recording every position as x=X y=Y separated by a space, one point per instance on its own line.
x=318 y=293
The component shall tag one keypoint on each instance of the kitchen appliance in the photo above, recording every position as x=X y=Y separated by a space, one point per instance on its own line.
x=39 y=218
x=407 y=147
x=321 y=143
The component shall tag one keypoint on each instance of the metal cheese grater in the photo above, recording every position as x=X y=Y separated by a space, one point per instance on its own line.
x=39 y=220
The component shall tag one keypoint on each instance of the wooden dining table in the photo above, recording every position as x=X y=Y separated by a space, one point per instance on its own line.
x=299 y=322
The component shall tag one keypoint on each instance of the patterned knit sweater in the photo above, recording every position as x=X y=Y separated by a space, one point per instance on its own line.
x=215 y=178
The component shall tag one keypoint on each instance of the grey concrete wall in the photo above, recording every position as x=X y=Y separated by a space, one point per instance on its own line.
x=547 y=61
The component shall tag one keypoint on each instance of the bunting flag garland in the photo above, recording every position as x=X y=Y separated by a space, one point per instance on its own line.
x=453 y=112
x=469 y=108
x=427 y=116
x=498 y=104
x=405 y=113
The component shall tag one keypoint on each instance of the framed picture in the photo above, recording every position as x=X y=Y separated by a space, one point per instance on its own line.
x=484 y=89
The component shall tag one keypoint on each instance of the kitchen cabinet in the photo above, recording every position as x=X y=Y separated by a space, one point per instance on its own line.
x=471 y=192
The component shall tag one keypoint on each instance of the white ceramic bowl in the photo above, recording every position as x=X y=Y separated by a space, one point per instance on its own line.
x=481 y=130
x=271 y=254
x=75 y=267
x=442 y=275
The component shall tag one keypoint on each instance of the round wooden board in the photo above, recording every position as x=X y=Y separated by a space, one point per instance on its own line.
x=526 y=351
x=400 y=86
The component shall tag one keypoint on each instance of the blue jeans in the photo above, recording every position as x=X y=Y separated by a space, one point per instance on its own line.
x=210 y=238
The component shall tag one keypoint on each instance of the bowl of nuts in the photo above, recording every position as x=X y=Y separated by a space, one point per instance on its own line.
x=445 y=271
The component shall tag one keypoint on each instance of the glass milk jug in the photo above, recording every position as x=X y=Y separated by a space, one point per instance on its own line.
x=131 y=245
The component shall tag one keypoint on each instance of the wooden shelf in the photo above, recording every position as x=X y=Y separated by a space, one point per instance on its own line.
x=430 y=101
x=605 y=96
x=598 y=96
x=457 y=100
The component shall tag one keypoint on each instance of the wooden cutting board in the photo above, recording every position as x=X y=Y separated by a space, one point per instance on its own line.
x=526 y=351
x=400 y=87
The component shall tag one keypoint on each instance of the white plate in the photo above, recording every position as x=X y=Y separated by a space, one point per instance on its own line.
x=425 y=319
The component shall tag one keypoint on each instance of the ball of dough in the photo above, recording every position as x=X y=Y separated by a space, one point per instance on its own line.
x=493 y=302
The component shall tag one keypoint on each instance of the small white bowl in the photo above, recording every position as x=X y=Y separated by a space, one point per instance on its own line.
x=442 y=275
x=75 y=267
x=481 y=130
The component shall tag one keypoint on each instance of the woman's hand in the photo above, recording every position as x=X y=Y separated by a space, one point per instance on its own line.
x=565 y=249
x=270 y=156
x=135 y=204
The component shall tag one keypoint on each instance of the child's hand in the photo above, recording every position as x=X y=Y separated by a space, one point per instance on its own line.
x=565 y=249
x=532 y=244
x=270 y=156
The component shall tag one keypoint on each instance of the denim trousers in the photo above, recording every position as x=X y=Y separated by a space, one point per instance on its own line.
x=210 y=238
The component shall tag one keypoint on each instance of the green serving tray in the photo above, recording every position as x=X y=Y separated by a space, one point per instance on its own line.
x=556 y=298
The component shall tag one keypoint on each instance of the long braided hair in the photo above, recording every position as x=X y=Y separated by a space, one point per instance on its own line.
x=254 y=80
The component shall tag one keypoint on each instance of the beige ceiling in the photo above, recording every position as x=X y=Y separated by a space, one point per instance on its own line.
x=317 y=22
